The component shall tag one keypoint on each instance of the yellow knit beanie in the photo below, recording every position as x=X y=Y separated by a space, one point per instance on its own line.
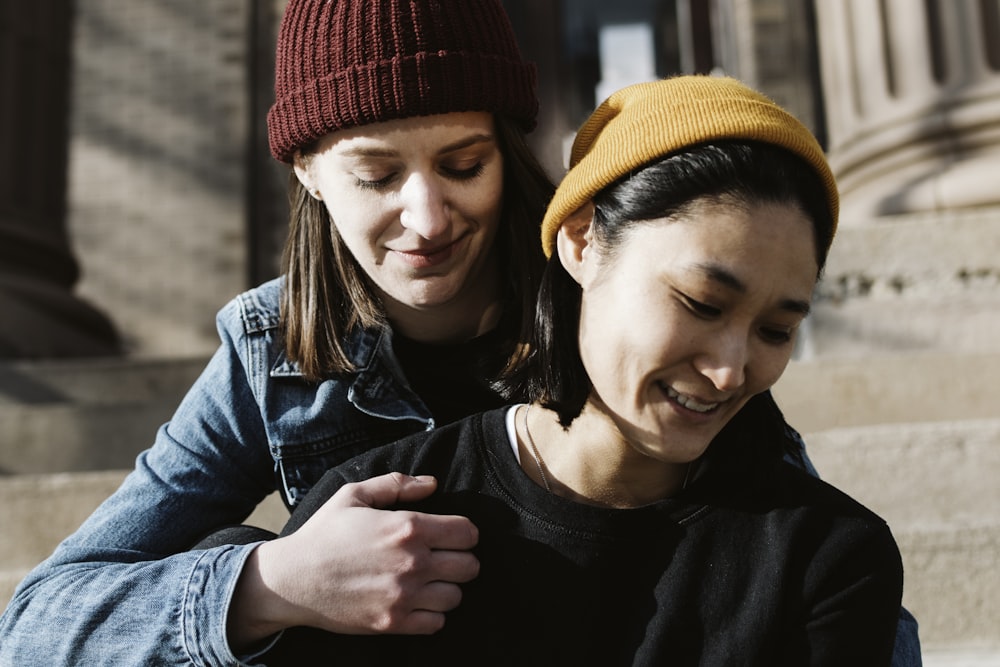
x=646 y=121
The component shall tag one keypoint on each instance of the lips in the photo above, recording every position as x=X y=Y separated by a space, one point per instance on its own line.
x=689 y=402
x=427 y=258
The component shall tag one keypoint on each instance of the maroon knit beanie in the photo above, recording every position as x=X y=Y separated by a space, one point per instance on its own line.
x=345 y=63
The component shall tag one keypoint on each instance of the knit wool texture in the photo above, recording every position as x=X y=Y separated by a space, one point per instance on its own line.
x=648 y=121
x=347 y=63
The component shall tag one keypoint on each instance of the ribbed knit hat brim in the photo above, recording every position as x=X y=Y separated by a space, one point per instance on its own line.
x=347 y=63
x=648 y=121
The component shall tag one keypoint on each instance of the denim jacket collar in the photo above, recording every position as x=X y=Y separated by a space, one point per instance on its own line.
x=379 y=387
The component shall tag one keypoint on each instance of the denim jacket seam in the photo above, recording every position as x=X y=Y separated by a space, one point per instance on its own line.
x=189 y=606
x=254 y=342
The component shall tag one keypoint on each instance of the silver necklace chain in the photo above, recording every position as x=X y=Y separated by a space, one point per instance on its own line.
x=534 y=451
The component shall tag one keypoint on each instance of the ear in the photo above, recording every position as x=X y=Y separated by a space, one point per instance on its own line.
x=573 y=241
x=303 y=172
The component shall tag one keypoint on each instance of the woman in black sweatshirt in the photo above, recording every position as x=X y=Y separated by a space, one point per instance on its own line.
x=641 y=509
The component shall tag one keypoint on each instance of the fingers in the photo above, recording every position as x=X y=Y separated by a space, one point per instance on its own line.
x=356 y=567
x=421 y=622
x=433 y=601
x=443 y=531
x=387 y=490
x=434 y=531
x=452 y=566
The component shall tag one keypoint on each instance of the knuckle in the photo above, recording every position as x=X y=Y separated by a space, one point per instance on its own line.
x=383 y=623
x=394 y=613
x=407 y=529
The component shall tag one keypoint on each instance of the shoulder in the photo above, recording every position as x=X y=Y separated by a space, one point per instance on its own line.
x=792 y=483
x=835 y=523
x=258 y=309
x=801 y=513
x=255 y=311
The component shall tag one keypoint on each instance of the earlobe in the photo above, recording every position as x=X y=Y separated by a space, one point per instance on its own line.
x=573 y=240
x=304 y=174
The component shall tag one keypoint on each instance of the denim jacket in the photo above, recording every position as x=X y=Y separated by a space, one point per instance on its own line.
x=125 y=589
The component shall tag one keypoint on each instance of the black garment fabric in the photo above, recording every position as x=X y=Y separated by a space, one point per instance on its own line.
x=454 y=379
x=747 y=566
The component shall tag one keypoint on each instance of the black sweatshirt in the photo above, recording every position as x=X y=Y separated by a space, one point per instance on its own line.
x=759 y=565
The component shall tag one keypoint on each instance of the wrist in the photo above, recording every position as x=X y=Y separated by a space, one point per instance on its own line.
x=257 y=610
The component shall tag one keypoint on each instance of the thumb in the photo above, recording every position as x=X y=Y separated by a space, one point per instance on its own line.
x=388 y=490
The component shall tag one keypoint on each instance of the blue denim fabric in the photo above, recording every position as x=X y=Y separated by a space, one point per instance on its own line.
x=907 y=651
x=124 y=589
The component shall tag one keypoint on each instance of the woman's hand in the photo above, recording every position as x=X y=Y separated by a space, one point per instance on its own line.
x=354 y=568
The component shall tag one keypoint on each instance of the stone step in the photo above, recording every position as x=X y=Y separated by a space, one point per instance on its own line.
x=86 y=414
x=41 y=510
x=961 y=656
x=96 y=381
x=935 y=483
x=908 y=283
x=822 y=394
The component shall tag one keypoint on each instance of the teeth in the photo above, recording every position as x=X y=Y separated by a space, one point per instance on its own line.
x=690 y=403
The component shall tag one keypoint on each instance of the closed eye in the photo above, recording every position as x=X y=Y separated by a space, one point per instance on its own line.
x=777 y=336
x=374 y=184
x=464 y=174
x=700 y=309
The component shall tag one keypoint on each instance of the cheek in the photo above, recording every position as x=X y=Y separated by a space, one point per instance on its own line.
x=596 y=346
x=609 y=338
x=485 y=201
x=359 y=232
x=771 y=365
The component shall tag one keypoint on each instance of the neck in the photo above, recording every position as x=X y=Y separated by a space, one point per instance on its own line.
x=442 y=325
x=475 y=310
x=593 y=463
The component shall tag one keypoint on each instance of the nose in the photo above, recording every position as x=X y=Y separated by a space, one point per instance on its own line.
x=724 y=361
x=424 y=209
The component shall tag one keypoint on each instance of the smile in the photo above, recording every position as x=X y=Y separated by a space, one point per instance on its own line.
x=688 y=402
x=425 y=258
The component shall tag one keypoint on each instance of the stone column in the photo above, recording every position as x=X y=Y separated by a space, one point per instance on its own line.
x=770 y=45
x=912 y=101
x=912 y=96
x=39 y=315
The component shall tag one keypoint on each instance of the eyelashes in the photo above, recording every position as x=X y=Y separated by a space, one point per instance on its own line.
x=469 y=174
x=704 y=311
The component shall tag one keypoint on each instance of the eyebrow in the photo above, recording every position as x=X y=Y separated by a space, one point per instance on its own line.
x=726 y=278
x=375 y=151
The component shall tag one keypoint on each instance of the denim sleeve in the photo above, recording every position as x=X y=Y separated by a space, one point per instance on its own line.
x=125 y=588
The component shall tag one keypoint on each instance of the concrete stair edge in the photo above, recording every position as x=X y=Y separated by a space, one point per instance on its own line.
x=822 y=394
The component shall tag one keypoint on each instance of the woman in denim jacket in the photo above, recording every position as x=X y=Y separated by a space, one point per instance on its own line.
x=411 y=265
x=410 y=275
